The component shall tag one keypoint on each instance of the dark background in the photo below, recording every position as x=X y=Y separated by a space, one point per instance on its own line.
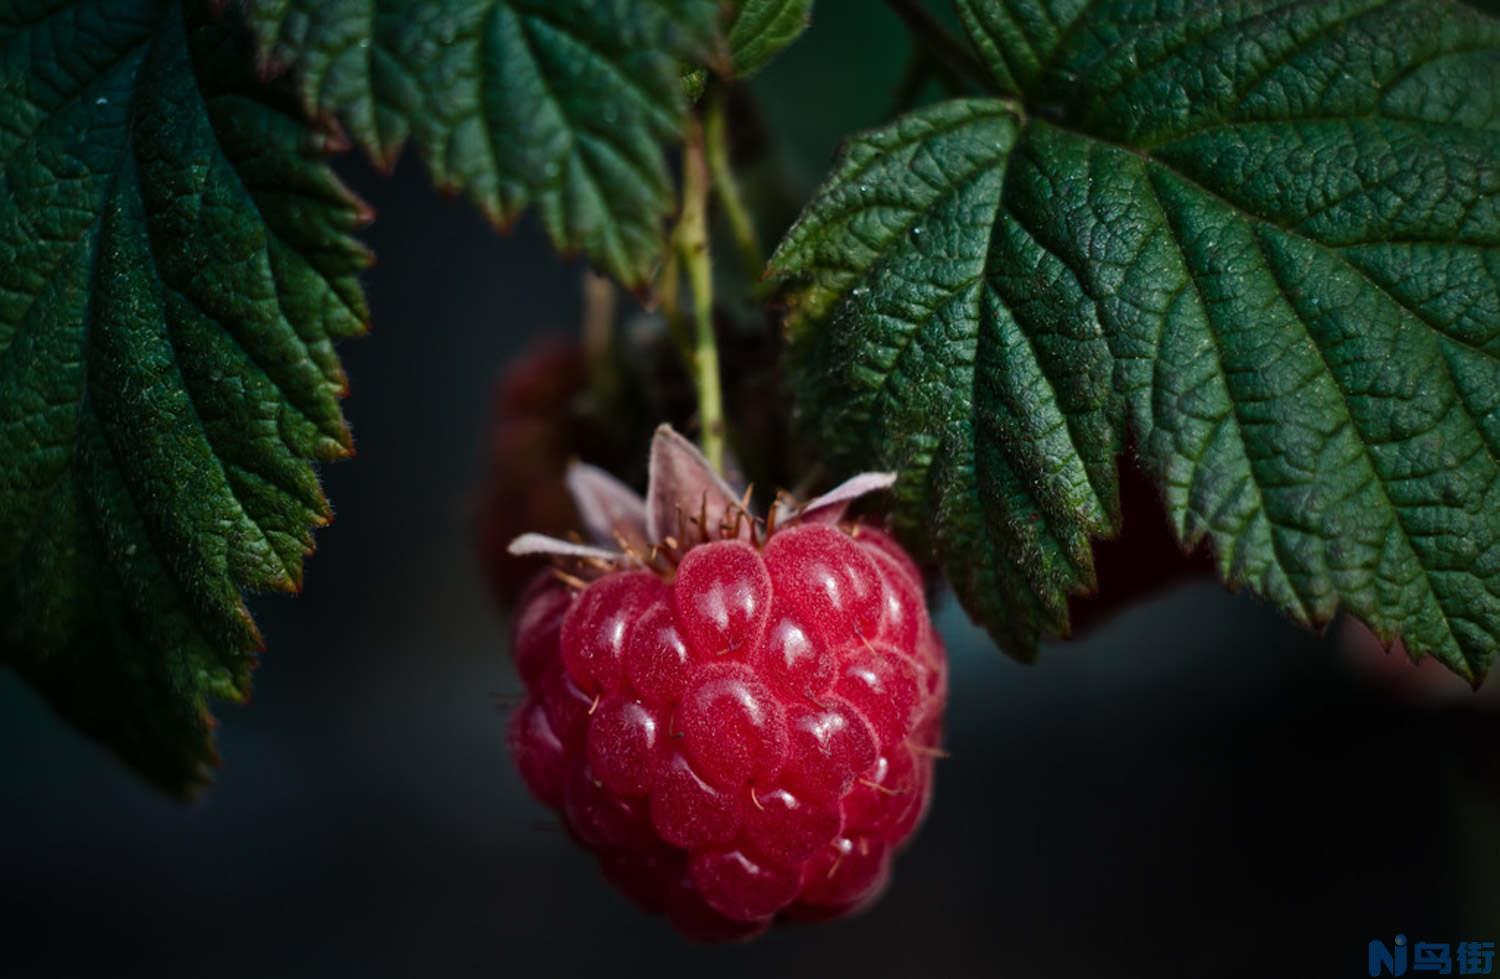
x=1196 y=788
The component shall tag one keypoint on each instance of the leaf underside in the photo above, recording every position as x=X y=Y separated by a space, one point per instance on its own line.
x=1258 y=240
x=561 y=104
x=175 y=264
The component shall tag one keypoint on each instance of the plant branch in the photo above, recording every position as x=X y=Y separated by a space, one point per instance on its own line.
x=727 y=189
x=947 y=48
x=599 y=303
x=690 y=242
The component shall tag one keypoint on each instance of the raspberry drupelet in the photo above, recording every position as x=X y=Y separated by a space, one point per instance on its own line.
x=739 y=717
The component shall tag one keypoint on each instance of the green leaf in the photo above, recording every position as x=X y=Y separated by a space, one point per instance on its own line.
x=559 y=103
x=762 y=28
x=1258 y=240
x=175 y=265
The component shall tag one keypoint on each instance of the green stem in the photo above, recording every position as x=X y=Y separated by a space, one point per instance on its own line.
x=690 y=241
x=741 y=224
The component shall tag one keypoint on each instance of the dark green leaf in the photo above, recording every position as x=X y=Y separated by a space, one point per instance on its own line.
x=761 y=28
x=175 y=265
x=559 y=103
x=1261 y=240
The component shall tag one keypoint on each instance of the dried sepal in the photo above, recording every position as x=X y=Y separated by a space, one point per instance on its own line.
x=613 y=514
x=528 y=544
x=687 y=503
x=685 y=498
x=831 y=506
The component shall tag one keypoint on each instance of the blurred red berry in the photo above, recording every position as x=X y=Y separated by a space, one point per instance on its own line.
x=530 y=439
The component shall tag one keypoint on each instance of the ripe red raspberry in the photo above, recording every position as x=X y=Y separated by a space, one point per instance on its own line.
x=740 y=723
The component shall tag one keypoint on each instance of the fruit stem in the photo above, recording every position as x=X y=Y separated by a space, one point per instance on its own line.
x=598 y=331
x=690 y=241
x=727 y=188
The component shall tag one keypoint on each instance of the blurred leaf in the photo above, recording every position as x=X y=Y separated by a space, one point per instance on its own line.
x=1261 y=238
x=761 y=28
x=563 y=104
x=175 y=264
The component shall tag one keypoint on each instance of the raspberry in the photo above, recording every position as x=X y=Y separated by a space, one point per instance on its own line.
x=742 y=723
